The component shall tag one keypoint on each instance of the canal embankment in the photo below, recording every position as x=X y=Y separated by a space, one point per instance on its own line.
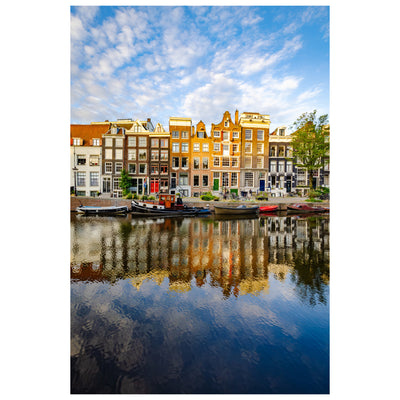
x=281 y=202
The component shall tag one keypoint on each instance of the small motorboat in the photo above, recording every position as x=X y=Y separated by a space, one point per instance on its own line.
x=241 y=210
x=110 y=210
x=268 y=209
x=304 y=208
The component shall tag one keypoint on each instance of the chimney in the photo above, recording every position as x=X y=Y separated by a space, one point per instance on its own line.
x=236 y=117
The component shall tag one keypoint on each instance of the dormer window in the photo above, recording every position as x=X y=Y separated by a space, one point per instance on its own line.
x=226 y=123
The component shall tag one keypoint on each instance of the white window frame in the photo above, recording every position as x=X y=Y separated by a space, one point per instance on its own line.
x=248 y=134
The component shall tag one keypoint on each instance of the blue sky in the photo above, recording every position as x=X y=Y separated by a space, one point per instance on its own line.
x=158 y=62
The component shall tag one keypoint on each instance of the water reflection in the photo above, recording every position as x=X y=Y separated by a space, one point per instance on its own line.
x=236 y=255
x=200 y=305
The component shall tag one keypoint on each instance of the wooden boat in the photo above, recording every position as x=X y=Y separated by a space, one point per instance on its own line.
x=268 y=209
x=165 y=206
x=110 y=210
x=304 y=208
x=241 y=210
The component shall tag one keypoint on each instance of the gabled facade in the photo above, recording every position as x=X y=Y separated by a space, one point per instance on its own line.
x=281 y=175
x=254 y=154
x=225 y=167
x=180 y=130
x=200 y=160
x=85 y=151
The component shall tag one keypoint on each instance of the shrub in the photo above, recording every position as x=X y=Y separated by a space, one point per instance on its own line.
x=152 y=198
x=129 y=196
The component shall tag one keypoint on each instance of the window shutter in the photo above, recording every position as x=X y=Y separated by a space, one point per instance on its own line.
x=101 y=142
x=91 y=142
x=72 y=141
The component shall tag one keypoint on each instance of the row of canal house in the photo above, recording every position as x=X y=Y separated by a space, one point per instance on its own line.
x=238 y=156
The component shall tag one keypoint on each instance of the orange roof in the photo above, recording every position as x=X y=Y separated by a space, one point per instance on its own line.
x=87 y=132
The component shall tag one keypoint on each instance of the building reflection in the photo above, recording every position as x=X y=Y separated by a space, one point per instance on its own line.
x=238 y=255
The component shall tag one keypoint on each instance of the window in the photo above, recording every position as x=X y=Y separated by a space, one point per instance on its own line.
x=185 y=162
x=154 y=169
x=196 y=180
x=248 y=134
x=196 y=163
x=155 y=142
x=118 y=154
x=248 y=179
x=108 y=142
x=282 y=132
x=154 y=155
x=247 y=147
x=96 y=142
x=185 y=147
x=216 y=161
x=76 y=142
x=235 y=135
x=196 y=146
x=142 y=142
x=225 y=161
x=205 y=162
x=281 y=152
x=184 y=135
x=80 y=178
x=205 y=180
x=289 y=166
x=80 y=160
x=164 y=143
x=225 y=135
x=175 y=134
x=289 y=152
x=132 y=168
x=217 y=134
x=260 y=148
x=116 y=183
x=234 y=179
x=118 y=167
x=94 y=179
x=164 y=169
x=108 y=167
x=260 y=162
x=273 y=166
x=142 y=154
x=164 y=155
x=93 y=159
x=132 y=141
x=183 y=178
x=205 y=147
x=225 y=179
x=142 y=168
x=260 y=135
x=272 y=151
x=235 y=162
x=281 y=166
x=118 y=142
x=200 y=134
x=226 y=124
x=235 y=148
x=175 y=162
x=247 y=162
x=217 y=147
x=164 y=185
x=131 y=154
x=175 y=147
x=225 y=149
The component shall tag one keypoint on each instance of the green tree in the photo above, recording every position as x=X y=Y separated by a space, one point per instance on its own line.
x=125 y=182
x=310 y=142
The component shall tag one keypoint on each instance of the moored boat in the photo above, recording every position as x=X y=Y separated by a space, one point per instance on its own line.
x=241 y=210
x=268 y=209
x=305 y=208
x=110 y=210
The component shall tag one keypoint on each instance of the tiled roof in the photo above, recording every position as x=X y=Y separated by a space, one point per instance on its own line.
x=87 y=132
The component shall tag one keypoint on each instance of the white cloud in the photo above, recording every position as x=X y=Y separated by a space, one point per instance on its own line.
x=308 y=94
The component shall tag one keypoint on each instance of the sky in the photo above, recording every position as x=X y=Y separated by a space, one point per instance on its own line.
x=197 y=62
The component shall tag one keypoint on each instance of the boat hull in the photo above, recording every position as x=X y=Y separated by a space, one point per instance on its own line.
x=305 y=209
x=112 y=210
x=268 y=209
x=218 y=210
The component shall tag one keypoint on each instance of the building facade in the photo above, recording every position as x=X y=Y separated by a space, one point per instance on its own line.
x=254 y=154
x=85 y=159
x=225 y=168
x=180 y=130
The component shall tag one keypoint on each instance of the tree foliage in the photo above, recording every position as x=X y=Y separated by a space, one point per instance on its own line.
x=310 y=142
x=125 y=182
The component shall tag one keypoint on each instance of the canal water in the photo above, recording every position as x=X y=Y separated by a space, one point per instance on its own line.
x=200 y=305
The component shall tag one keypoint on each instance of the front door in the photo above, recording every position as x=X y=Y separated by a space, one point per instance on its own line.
x=106 y=185
x=262 y=185
x=216 y=184
x=288 y=185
